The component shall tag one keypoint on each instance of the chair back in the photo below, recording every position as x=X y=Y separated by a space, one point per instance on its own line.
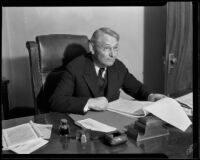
x=48 y=55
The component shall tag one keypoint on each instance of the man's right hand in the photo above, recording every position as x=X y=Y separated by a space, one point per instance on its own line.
x=98 y=104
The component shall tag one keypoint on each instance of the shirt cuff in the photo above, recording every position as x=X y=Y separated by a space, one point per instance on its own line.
x=86 y=108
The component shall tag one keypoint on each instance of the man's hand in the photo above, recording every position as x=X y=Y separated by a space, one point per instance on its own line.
x=98 y=104
x=154 y=97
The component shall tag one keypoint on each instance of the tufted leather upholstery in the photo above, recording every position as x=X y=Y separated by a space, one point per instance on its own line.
x=48 y=55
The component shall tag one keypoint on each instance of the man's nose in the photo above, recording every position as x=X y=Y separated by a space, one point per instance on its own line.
x=112 y=52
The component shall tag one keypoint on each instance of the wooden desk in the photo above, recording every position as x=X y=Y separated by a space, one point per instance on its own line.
x=173 y=146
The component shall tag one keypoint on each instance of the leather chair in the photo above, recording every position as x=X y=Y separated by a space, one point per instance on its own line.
x=48 y=56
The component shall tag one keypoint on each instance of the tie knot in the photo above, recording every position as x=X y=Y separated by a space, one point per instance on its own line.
x=101 y=71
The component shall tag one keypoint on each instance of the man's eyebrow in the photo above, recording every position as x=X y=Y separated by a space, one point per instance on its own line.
x=109 y=44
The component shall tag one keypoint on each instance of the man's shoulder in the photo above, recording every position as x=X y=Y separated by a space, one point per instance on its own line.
x=120 y=67
x=78 y=60
x=77 y=65
x=119 y=64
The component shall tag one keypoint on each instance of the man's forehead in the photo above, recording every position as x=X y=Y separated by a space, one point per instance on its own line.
x=106 y=38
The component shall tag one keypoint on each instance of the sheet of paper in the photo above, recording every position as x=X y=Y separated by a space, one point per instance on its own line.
x=26 y=138
x=4 y=145
x=95 y=125
x=29 y=147
x=137 y=114
x=129 y=107
x=170 y=111
x=37 y=131
x=44 y=129
x=189 y=112
x=186 y=99
x=19 y=134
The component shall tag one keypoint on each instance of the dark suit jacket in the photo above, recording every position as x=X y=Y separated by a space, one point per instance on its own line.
x=80 y=82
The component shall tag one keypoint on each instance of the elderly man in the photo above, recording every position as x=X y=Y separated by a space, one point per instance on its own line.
x=94 y=79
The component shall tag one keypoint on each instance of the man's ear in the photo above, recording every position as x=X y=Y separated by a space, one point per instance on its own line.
x=91 y=47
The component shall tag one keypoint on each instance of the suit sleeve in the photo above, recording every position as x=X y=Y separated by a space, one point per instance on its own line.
x=133 y=87
x=63 y=100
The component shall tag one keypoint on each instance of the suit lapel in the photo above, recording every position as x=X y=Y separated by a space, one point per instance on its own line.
x=112 y=78
x=91 y=77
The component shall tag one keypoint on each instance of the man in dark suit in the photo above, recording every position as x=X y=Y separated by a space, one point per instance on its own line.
x=94 y=79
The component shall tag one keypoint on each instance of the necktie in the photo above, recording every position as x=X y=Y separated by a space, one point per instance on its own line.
x=101 y=72
x=101 y=80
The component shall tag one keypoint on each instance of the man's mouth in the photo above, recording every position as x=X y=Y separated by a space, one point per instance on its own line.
x=111 y=60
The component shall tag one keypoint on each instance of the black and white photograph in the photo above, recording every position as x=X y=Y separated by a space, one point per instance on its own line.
x=100 y=81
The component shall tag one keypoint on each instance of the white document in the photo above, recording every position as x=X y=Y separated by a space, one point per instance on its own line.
x=25 y=138
x=189 y=112
x=29 y=147
x=95 y=125
x=186 y=99
x=167 y=109
x=4 y=145
x=43 y=129
x=170 y=111
x=19 y=135
x=128 y=107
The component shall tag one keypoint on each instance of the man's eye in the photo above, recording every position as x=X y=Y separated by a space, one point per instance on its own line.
x=106 y=48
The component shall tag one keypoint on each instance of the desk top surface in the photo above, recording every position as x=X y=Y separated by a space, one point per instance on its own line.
x=175 y=145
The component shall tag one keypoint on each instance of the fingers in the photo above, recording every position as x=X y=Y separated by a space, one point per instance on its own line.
x=161 y=95
x=155 y=97
x=98 y=104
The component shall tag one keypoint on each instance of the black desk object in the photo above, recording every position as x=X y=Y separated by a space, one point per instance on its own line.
x=147 y=128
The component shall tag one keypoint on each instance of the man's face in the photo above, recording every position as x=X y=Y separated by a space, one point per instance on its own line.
x=105 y=50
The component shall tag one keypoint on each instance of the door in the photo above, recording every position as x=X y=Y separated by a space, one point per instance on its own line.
x=179 y=51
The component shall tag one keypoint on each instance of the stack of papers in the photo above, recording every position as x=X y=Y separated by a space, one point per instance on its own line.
x=131 y=108
x=94 y=125
x=187 y=103
x=186 y=99
x=25 y=138
x=167 y=109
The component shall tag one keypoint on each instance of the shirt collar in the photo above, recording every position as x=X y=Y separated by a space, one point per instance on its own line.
x=97 y=69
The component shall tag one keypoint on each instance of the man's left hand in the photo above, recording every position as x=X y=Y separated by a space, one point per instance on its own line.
x=154 y=97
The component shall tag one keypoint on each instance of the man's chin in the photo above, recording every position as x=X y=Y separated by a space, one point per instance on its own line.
x=109 y=64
